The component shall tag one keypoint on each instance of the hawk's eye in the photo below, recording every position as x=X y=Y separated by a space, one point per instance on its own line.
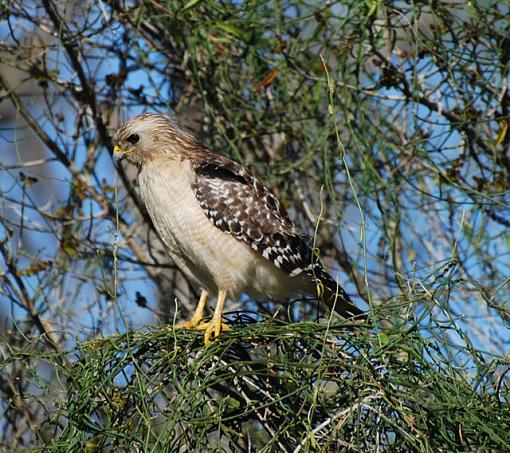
x=133 y=139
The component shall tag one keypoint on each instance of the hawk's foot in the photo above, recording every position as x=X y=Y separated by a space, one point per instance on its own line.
x=197 y=316
x=190 y=324
x=213 y=328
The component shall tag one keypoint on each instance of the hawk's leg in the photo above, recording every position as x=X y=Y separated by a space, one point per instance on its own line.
x=215 y=325
x=197 y=316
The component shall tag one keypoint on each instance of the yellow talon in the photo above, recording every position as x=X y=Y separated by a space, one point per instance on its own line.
x=197 y=316
x=188 y=325
x=205 y=325
x=215 y=326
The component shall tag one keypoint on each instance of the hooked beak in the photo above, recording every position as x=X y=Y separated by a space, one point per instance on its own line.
x=118 y=154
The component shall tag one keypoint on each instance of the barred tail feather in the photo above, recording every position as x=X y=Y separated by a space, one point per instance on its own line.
x=336 y=298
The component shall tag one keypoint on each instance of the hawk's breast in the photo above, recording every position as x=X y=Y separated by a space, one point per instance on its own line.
x=207 y=255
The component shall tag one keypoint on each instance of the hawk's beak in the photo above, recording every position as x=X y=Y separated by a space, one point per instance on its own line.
x=118 y=154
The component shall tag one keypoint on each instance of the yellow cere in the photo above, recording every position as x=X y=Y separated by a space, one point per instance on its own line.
x=117 y=149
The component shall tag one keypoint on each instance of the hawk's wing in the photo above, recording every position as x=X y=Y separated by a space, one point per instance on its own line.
x=238 y=204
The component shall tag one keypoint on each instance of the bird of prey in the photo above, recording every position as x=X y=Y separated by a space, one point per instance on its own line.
x=224 y=229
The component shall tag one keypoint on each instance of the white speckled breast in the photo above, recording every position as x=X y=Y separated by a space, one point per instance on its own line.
x=210 y=257
x=199 y=249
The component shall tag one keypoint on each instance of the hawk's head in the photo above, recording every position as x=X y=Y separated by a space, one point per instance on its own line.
x=149 y=136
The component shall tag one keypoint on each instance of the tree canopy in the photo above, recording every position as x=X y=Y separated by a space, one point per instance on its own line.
x=382 y=127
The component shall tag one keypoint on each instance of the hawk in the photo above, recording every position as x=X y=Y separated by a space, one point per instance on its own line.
x=224 y=229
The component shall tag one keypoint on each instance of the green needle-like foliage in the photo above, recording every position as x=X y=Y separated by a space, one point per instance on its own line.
x=273 y=386
x=384 y=129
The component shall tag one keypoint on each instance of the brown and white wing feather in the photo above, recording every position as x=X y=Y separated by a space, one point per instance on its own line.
x=238 y=204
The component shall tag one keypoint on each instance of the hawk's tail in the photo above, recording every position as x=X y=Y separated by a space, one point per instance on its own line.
x=336 y=298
